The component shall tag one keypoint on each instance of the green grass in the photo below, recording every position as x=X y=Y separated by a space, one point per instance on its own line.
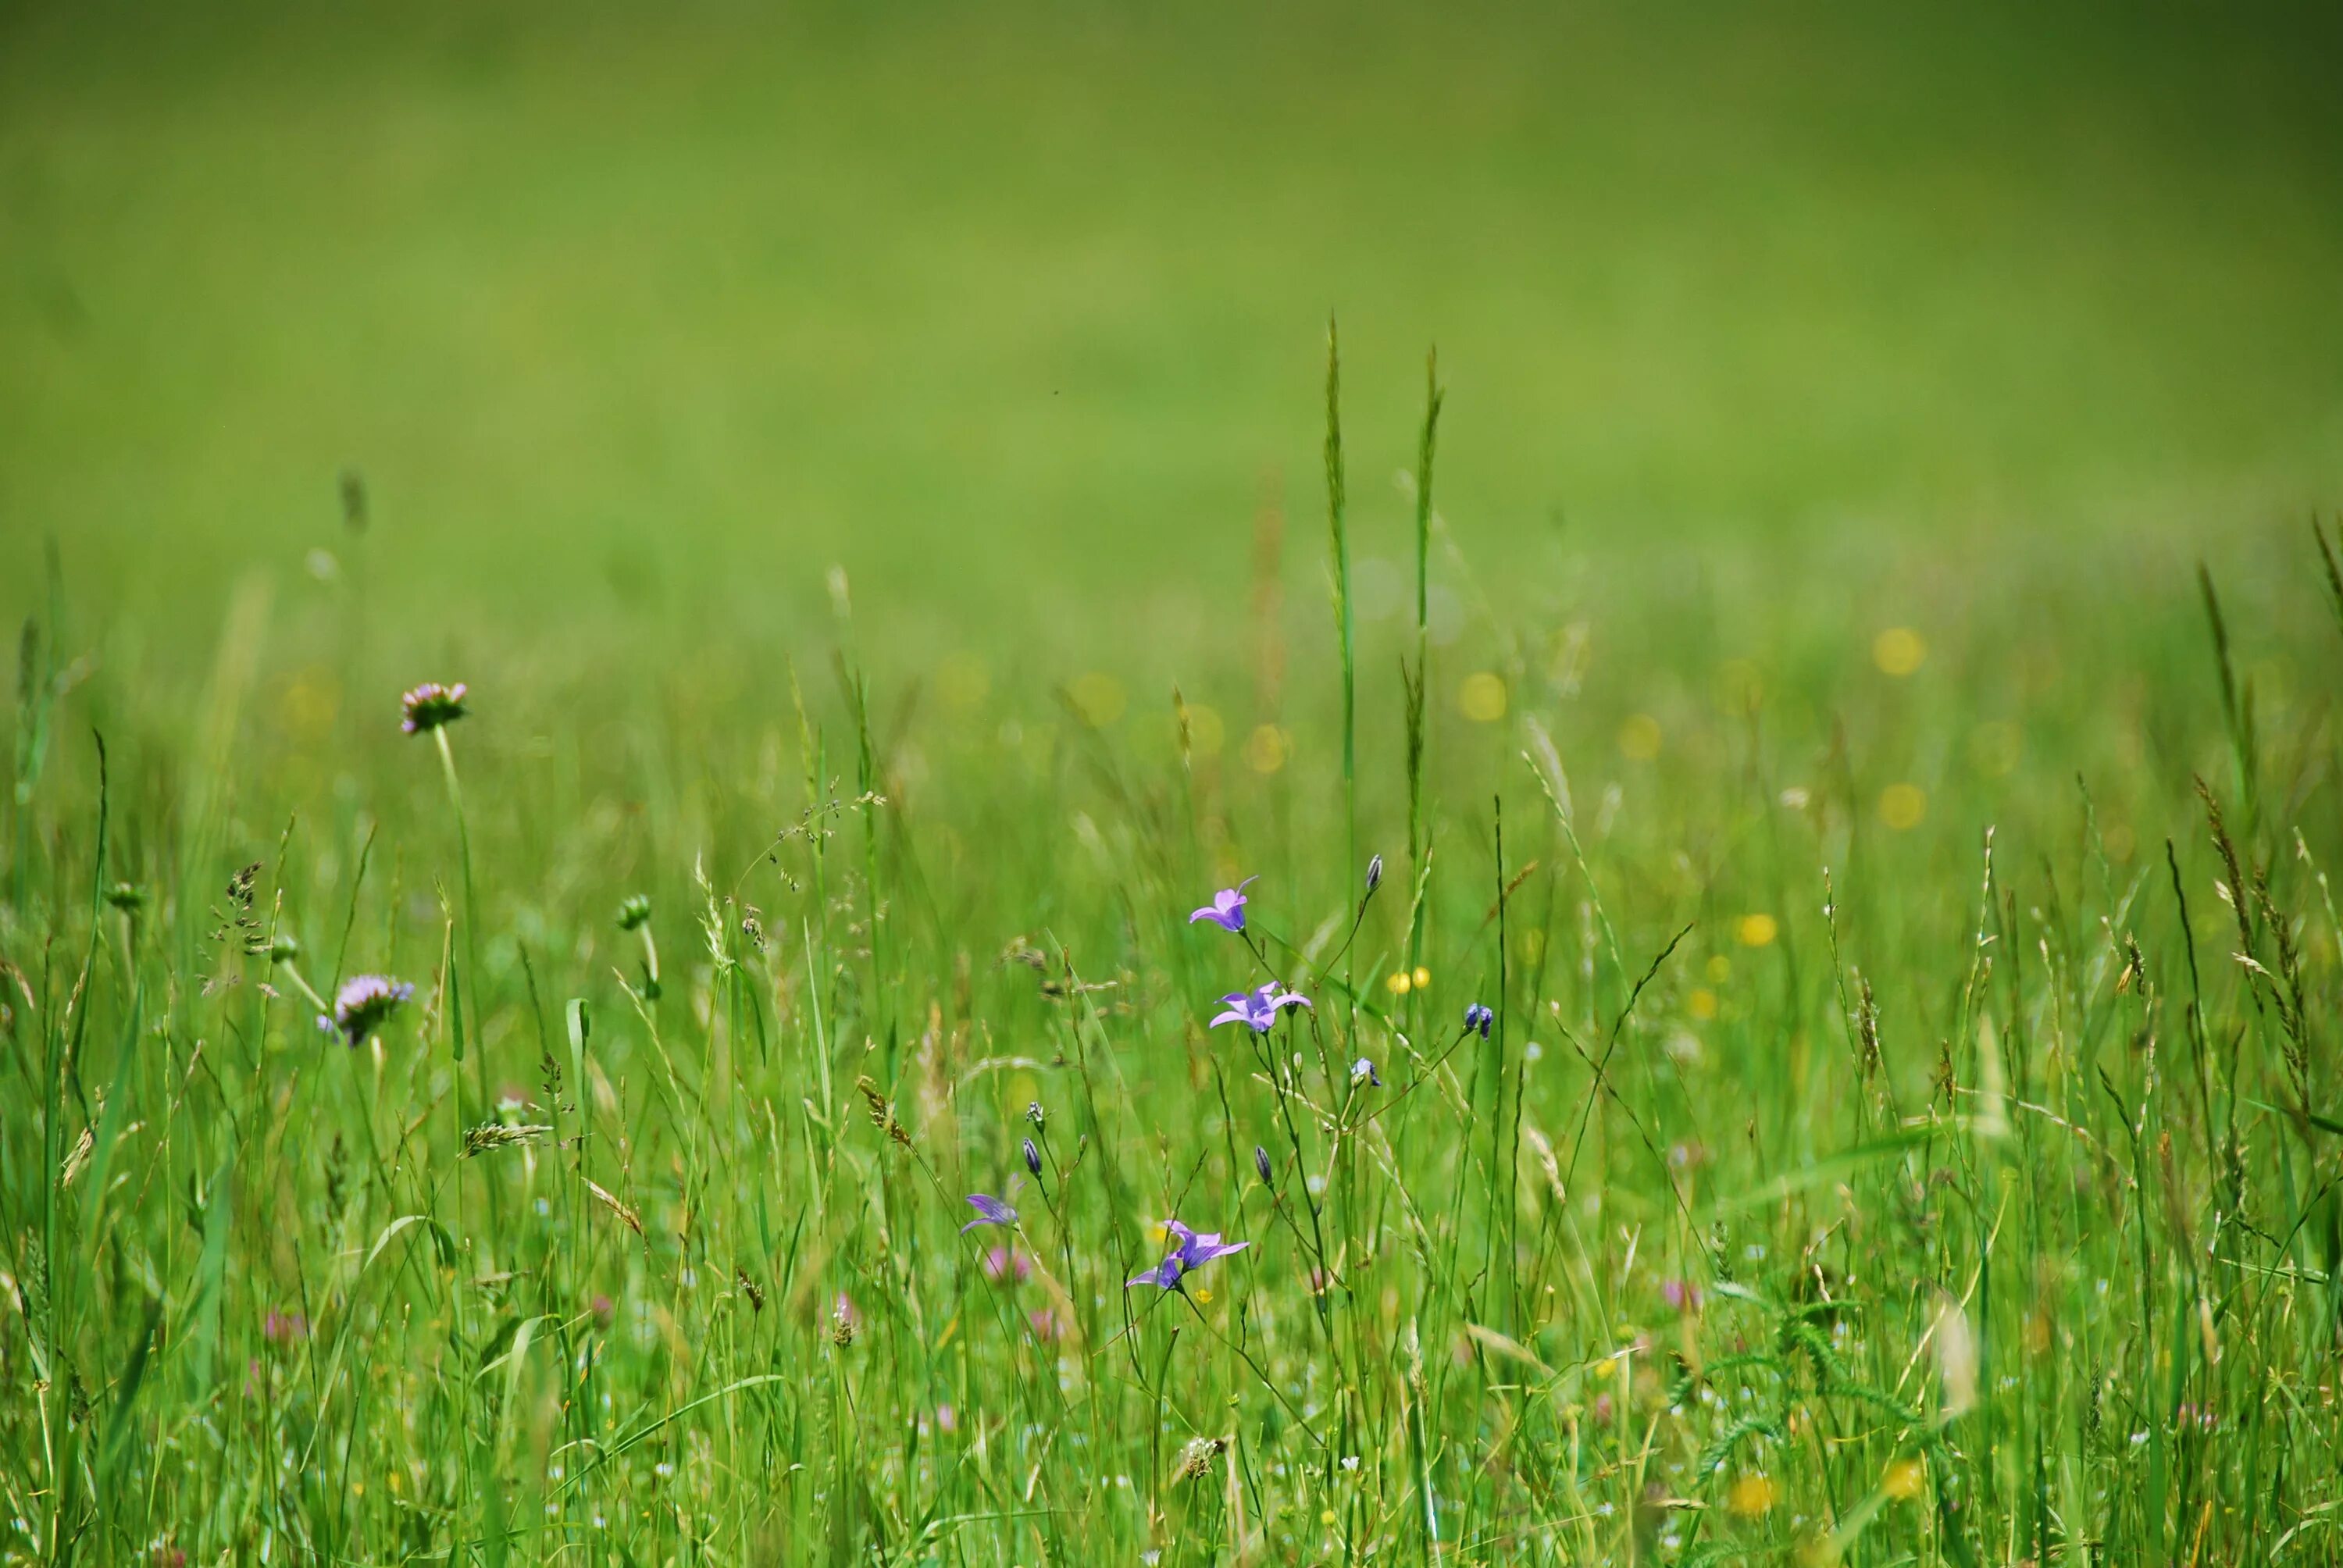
x=1856 y=707
x=666 y=314
x=1950 y=1190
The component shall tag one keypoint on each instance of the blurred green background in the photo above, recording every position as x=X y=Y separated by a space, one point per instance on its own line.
x=637 y=316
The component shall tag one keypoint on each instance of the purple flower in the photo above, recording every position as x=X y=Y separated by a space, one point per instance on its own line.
x=1007 y=1263
x=1227 y=908
x=1257 y=1008
x=1681 y=1294
x=989 y=1211
x=1032 y=1157
x=1196 y=1249
x=1374 y=873
x=1261 y=1163
x=363 y=1005
x=1363 y=1071
x=1480 y=1018
x=431 y=705
x=1163 y=1276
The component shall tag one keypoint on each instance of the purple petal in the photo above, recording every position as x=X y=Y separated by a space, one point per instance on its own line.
x=1163 y=1276
x=989 y=1211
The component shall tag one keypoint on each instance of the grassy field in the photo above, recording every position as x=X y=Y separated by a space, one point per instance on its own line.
x=1843 y=683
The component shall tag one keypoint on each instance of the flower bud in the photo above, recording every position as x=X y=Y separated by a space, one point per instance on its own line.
x=1032 y=1157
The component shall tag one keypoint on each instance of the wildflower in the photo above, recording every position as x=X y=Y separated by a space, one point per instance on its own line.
x=1751 y=1496
x=431 y=705
x=283 y=1327
x=634 y=912
x=1047 y=1328
x=1163 y=1276
x=1258 y=1009
x=845 y=1321
x=1035 y=1114
x=1227 y=908
x=989 y=1211
x=1363 y=1071
x=1032 y=1157
x=1007 y=1263
x=1261 y=1163
x=1480 y=1018
x=363 y=1005
x=1681 y=1294
x=947 y=1419
x=1898 y=651
x=1902 y=805
x=1196 y=1249
x=1196 y=1459
x=1375 y=872
x=604 y=1312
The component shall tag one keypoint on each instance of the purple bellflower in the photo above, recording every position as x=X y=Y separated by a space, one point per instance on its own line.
x=989 y=1211
x=1257 y=1009
x=1363 y=1071
x=1163 y=1276
x=1480 y=1018
x=363 y=1005
x=1227 y=908
x=1196 y=1249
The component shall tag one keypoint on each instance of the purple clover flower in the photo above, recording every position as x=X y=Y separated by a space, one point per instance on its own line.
x=1480 y=1018
x=1227 y=908
x=363 y=1005
x=989 y=1211
x=1196 y=1249
x=1257 y=1008
x=431 y=705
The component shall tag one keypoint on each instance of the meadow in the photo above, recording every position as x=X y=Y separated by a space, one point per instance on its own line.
x=783 y=828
